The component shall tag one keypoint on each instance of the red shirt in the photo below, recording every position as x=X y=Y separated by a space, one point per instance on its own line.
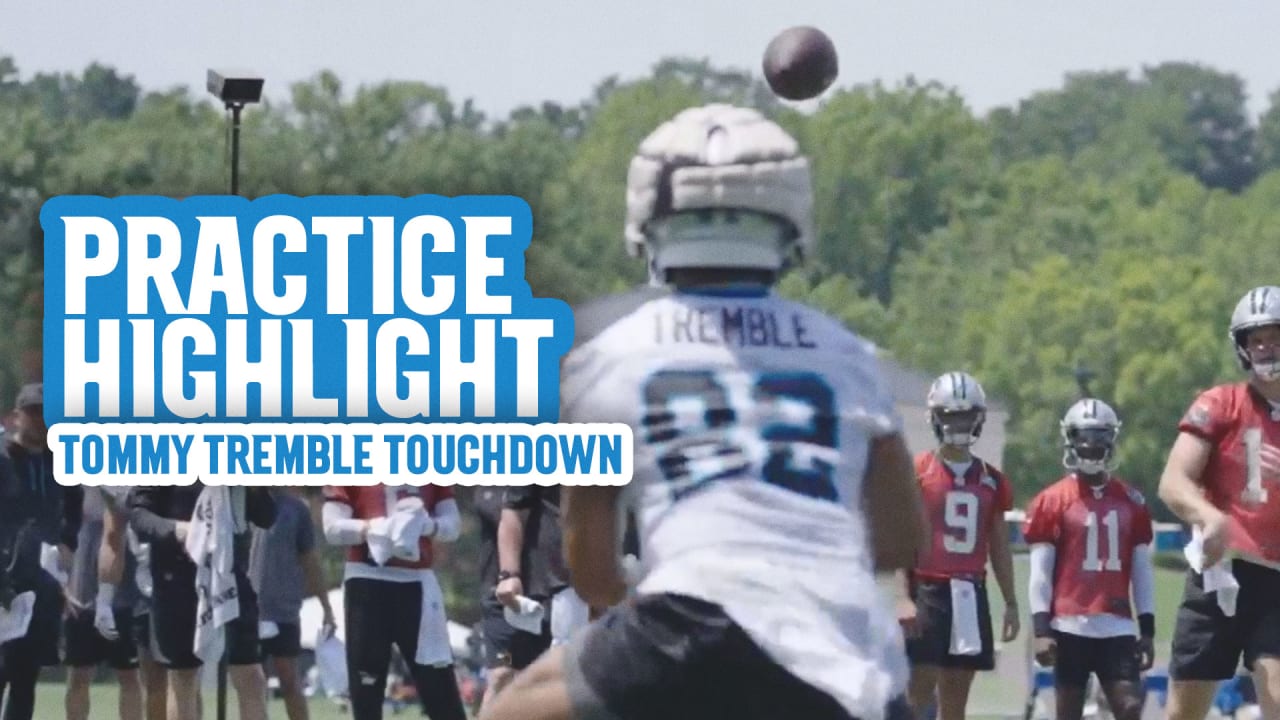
x=368 y=502
x=1094 y=533
x=1243 y=471
x=960 y=515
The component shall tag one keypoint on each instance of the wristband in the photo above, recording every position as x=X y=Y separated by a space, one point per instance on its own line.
x=1040 y=623
x=106 y=593
x=1147 y=625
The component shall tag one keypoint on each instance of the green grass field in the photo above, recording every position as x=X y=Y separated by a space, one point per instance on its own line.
x=103 y=698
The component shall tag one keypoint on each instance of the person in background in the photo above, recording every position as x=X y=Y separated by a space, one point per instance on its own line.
x=99 y=622
x=125 y=561
x=943 y=607
x=391 y=596
x=284 y=567
x=498 y=634
x=162 y=517
x=35 y=511
x=771 y=478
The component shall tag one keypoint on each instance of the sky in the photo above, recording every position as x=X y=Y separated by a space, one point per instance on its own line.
x=505 y=54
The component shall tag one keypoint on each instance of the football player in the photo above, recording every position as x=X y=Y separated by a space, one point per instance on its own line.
x=395 y=600
x=1221 y=478
x=946 y=615
x=762 y=426
x=1090 y=536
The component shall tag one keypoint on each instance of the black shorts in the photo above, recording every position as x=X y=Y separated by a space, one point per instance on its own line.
x=933 y=614
x=1208 y=645
x=504 y=645
x=87 y=648
x=677 y=658
x=1112 y=659
x=40 y=644
x=142 y=632
x=173 y=624
x=285 y=644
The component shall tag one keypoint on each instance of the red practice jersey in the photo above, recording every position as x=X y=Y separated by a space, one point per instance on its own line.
x=1241 y=476
x=368 y=502
x=1094 y=533
x=961 y=512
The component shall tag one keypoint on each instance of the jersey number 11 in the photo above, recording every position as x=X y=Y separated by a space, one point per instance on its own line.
x=1093 y=562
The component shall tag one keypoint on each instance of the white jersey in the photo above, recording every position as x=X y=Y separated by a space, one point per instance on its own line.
x=753 y=417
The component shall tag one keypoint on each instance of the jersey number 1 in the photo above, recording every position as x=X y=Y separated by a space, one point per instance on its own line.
x=1092 y=559
x=1254 y=493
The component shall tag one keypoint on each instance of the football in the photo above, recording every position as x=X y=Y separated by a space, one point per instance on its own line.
x=800 y=63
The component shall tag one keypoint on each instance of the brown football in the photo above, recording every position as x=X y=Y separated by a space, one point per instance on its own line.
x=800 y=63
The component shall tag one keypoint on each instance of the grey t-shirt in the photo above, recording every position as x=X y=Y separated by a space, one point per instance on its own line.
x=82 y=581
x=275 y=554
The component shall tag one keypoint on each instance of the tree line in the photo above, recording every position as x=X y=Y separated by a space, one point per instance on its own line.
x=1110 y=223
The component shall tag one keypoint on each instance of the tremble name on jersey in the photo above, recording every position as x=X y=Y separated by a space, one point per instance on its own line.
x=734 y=324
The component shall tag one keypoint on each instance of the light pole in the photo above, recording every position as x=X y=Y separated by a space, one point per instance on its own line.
x=235 y=89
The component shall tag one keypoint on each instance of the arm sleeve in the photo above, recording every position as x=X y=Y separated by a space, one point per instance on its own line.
x=1143 y=528
x=1040 y=587
x=1209 y=416
x=146 y=514
x=339 y=527
x=873 y=401
x=448 y=521
x=1144 y=580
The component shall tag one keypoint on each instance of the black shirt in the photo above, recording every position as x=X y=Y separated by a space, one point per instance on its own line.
x=155 y=512
x=31 y=498
x=542 y=567
x=488 y=509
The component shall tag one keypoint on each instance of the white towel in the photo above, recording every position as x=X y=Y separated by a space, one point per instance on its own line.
x=210 y=545
x=966 y=638
x=569 y=614
x=17 y=618
x=51 y=561
x=434 y=649
x=528 y=617
x=397 y=534
x=142 y=561
x=267 y=629
x=1217 y=578
x=331 y=661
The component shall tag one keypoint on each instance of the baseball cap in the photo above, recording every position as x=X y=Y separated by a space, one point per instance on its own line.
x=30 y=394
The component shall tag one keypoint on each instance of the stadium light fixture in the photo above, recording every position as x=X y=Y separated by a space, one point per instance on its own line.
x=235 y=88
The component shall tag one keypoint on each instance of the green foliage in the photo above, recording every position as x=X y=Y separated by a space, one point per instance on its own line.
x=1109 y=223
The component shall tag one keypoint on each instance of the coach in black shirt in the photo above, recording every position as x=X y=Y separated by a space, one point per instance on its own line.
x=506 y=649
x=162 y=516
x=34 y=510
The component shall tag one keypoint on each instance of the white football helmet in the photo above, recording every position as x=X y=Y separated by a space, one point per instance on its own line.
x=719 y=186
x=1089 y=432
x=957 y=409
x=1258 y=308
